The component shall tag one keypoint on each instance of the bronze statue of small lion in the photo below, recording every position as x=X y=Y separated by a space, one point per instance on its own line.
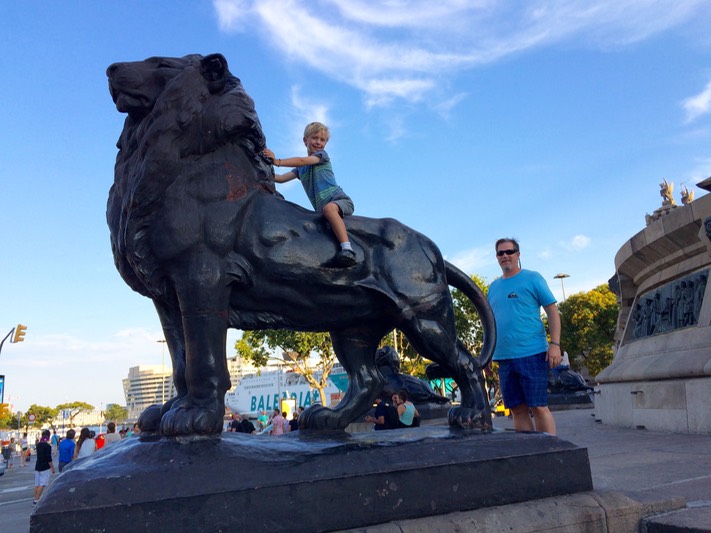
x=197 y=226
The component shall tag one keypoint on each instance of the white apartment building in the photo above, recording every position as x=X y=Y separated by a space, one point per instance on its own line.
x=147 y=385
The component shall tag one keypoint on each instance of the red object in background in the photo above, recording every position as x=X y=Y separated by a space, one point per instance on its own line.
x=99 y=441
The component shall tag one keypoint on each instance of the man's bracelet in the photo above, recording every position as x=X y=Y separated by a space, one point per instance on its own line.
x=556 y=343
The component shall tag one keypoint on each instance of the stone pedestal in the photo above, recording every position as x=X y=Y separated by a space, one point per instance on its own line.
x=303 y=482
x=660 y=377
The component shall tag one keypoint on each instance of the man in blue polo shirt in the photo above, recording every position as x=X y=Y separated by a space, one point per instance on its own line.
x=522 y=349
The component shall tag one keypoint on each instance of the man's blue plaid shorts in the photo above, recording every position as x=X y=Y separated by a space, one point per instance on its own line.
x=524 y=380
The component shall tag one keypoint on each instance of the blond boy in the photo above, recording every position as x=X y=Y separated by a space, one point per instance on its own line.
x=316 y=175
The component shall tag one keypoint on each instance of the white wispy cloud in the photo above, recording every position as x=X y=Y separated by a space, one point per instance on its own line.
x=474 y=260
x=232 y=15
x=698 y=105
x=700 y=171
x=579 y=242
x=445 y=107
x=305 y=109
x=544 y=253
x=404 y=50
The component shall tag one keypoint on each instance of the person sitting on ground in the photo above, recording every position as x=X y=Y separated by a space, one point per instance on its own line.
x=407 y=413
x=66 y=450
x=319 y=182
x=385 y=416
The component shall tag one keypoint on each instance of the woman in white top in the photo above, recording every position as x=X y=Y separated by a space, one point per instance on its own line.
x=85 y=445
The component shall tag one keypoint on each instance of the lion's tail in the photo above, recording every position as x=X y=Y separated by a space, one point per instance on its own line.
x=459 y=280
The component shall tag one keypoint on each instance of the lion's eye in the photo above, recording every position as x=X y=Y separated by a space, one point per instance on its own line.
x=162 y=62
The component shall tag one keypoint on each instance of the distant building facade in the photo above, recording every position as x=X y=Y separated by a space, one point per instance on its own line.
x=147 y=385
x=238 y=368
x=84 y=419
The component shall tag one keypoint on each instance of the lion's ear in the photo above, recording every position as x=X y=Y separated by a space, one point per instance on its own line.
x=213 y=68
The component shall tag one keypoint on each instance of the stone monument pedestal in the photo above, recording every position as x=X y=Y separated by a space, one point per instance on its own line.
x=660 y=377
x=307 y=482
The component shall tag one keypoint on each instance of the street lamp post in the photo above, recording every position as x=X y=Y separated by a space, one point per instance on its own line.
x=561 y=277
x=162 y=374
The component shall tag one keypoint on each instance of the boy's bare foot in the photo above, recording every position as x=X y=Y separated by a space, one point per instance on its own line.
x=346 y=258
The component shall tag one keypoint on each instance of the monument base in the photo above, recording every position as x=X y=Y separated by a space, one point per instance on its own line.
x=306 y=481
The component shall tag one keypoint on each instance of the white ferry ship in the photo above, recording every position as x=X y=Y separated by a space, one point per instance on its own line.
x=255 y=393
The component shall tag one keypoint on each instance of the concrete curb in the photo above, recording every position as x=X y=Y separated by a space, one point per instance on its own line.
x=586 y=512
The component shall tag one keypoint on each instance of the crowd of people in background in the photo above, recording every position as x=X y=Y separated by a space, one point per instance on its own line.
x=278 y=423
x=397 y=412
x=50 y=448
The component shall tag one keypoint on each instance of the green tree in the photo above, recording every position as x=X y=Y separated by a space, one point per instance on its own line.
x=43 y=415
x=297 y=348
x=411 y=362
x=470 y=330
x=7 y=419
x=466 y=318
x=588 y=322
x=74 y=409
x=116 y=413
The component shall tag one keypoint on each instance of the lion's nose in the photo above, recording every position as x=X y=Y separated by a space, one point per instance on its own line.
x=112 y=68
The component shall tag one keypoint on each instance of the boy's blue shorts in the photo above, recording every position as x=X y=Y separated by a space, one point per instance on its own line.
x=524 y=380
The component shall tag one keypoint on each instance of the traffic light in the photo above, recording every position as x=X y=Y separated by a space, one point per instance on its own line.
x=19 y=333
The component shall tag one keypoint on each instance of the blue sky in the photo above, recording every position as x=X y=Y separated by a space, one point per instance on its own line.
x=466 y=120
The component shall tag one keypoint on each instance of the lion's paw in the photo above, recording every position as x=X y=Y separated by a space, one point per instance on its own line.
x=184 y=420
x=149 y=421
x=320 y=417
x=469 y=418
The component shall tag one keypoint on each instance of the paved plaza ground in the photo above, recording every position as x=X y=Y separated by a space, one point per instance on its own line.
x=646 y=465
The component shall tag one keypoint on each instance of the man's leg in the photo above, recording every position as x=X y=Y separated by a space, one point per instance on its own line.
x=534 y=379
x=521 y=418
x=513 y=395
x=545 y=422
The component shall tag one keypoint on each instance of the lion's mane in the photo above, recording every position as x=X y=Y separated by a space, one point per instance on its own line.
x=200 y=115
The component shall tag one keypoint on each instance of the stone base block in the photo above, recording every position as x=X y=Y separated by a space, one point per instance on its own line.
x=306 y=482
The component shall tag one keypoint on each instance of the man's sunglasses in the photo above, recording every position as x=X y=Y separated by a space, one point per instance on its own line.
x=506 y=252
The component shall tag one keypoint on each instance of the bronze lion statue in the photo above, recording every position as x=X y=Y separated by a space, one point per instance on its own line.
x=197 y=226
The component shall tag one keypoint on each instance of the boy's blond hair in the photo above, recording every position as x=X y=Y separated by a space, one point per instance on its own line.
x=315 y=127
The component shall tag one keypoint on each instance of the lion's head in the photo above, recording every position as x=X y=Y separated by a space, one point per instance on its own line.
x=184 y=106
x=387 y=358
x=190 y=124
